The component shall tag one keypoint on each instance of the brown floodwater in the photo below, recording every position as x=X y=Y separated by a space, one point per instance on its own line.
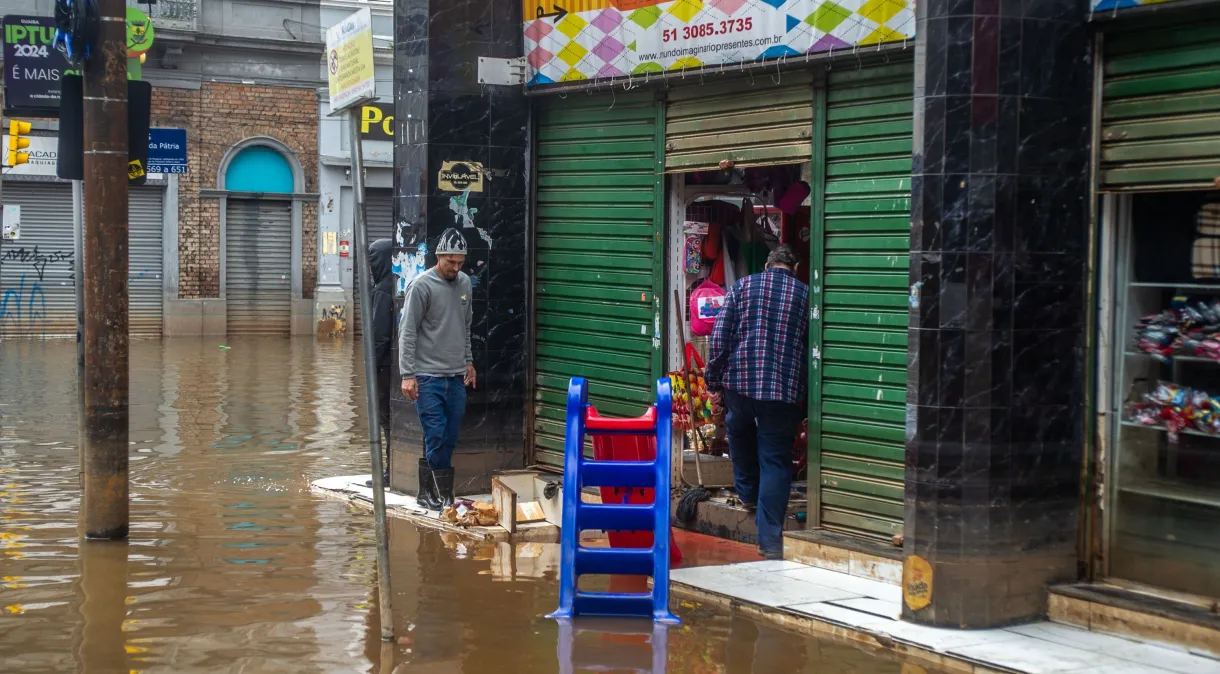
x=234 y=565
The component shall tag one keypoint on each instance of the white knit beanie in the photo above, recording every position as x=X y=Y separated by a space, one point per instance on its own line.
x=452 y=243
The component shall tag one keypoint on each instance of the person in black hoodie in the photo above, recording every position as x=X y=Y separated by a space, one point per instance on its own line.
x=381 y=253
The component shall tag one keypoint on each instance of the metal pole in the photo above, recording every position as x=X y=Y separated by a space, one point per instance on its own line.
x=78 y=271
x=78 y=276
x=106 y=342
x=361 y=255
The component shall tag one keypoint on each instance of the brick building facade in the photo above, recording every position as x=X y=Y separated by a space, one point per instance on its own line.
x=216 y=116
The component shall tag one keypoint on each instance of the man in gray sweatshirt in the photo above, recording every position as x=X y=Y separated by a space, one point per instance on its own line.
x=435 y=362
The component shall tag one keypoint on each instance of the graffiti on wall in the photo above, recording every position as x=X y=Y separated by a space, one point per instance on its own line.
x=464 y=214
x=36 y=258
x=23 y=307
x=406 y=266
x=333 y=321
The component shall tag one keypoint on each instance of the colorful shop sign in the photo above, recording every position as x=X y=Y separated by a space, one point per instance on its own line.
x=1111 y=5
x=573 y=40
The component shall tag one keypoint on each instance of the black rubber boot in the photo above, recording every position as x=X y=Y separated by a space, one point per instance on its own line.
x=427 y=487
x=385 y=481
x=444 y=485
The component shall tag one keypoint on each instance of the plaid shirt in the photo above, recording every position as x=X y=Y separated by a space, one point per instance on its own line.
x=758 y=344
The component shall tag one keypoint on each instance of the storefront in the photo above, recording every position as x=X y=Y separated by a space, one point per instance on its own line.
x=37 y=288
x=1159 y=361
x=633 y=209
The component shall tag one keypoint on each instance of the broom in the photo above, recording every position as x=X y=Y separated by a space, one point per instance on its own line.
x=688 y=504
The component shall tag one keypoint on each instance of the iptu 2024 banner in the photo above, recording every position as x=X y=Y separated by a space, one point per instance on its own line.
x=594 y=39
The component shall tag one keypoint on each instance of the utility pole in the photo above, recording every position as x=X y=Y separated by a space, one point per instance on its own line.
x=106 y=258
x=370 y=377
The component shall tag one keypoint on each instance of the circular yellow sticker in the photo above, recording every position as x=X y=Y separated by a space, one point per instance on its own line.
x=917 y=582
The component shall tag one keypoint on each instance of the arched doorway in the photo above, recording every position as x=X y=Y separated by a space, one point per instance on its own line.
x=260 y=229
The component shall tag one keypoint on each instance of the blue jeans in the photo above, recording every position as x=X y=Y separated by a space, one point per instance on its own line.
x=761 y=434
x=441 y=406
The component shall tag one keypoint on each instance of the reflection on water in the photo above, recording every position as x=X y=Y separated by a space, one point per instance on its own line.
x=233 y=565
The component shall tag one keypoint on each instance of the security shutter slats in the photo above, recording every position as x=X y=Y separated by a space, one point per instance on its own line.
x=379 y=210
x=596 y=308
x=146 y=281
x=861 y=429
x=258 y=266
x=37 y=284
x=749 y=121
x=1161 y=106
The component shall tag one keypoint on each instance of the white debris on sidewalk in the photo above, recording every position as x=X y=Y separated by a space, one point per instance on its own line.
x=354 y=489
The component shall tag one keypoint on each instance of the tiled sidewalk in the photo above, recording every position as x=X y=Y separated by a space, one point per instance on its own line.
x=868 y=611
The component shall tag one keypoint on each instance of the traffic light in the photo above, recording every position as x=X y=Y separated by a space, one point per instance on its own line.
x=17 y=142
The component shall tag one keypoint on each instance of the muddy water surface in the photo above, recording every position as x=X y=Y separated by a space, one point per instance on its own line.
x=233 y=565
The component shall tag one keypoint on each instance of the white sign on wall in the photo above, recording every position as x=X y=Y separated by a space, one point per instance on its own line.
x=349 y=61
x=44 y=155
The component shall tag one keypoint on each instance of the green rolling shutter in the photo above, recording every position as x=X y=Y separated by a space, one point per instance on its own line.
x=858 y=429
x=598 y=242
x=750 y=121
x=1161 y=106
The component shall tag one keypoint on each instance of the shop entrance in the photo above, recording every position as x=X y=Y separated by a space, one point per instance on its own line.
x=1159 y=296
x=1164 y=392
x=630 y=189
x=721 y=227
x=853 y=234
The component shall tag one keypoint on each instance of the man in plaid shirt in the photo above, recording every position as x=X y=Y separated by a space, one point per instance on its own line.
x=756 y=367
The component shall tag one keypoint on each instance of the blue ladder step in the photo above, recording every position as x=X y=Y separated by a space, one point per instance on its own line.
x=618 y=474
x=614 y=561
x=608 y=517
x=606 y=604
x=618 y=479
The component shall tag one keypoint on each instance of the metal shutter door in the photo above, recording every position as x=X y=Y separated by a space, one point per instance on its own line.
x=860 y=421
x=596 y=311
x=37 y=286
x=752 y=122
x=1161 y=107
x=258 y=266
x=379 y=210
x=146 y=281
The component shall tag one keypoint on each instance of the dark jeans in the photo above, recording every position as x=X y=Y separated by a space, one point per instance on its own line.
x=441 y=406
x=761 y=434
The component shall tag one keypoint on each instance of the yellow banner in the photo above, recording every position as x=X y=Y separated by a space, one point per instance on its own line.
x=349 y=60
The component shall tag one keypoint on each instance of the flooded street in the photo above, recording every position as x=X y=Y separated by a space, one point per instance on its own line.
x=233 y=565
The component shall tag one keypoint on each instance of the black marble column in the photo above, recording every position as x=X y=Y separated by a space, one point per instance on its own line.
x=444 y=114
x=997 y=333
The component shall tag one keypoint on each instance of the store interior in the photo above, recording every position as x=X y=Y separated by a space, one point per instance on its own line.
x=722 y=224
x=1164 y=472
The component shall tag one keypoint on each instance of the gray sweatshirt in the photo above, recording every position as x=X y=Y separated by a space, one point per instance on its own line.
x=434 y=334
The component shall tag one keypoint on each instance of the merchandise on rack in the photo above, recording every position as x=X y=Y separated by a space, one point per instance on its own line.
x=1184 y=328
x=689 y=384
x=1176 y=408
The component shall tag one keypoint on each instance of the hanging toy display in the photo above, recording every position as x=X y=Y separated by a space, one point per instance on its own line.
x=692 y=256
x=1175 y=408
x=695 y=390
x=1182 y=329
